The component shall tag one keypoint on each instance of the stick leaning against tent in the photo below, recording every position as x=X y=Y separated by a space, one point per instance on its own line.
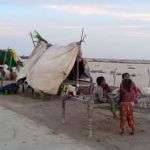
x=148 y=72
x=114 y=74
x=78 y=57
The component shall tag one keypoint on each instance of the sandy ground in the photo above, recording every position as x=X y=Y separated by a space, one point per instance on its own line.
x=19 y=133
x=106 y=129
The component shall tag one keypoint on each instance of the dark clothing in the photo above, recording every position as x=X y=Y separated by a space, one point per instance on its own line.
x=10 y=89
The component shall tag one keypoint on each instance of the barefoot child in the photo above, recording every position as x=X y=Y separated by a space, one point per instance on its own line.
x=127 y=97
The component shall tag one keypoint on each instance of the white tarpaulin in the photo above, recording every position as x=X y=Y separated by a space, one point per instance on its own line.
x=48 y=68
x=33 y=58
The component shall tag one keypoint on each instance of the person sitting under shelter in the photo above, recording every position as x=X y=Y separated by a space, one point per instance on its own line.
x=101 y=94
x=13 y=75
x=101 y=90
x=2 y=76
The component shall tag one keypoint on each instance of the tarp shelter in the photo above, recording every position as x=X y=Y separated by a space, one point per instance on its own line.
x=10 y=58
x=49 y=65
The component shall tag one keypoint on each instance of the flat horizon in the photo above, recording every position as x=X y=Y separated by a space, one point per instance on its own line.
x=114 y=29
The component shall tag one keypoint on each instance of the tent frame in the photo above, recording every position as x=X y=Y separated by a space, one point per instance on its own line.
x=36 y=38
x=86 y=99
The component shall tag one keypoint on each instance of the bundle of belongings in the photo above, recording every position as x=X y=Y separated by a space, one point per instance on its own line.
x=11 y=88
x=10 y=58
x=8 y=78
x=9 y=63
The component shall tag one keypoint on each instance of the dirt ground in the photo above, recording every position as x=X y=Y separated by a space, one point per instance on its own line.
x=106 y=129
x=18 y=132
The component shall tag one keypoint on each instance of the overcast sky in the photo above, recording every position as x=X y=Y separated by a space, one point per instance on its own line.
x=114 y=28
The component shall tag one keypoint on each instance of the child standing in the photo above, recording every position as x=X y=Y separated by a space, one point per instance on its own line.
x=127 y=98
x=136 y=91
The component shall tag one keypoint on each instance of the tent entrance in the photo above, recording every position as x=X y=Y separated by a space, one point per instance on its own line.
x=78 y=71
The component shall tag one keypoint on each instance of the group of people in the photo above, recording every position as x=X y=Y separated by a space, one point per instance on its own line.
x=8 y=84
x=7 y=74
x=128 y=95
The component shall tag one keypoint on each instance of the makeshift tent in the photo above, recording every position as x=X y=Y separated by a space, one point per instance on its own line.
x=50 y=65
x=10 y=58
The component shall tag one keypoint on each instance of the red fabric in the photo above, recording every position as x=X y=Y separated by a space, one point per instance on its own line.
x=132 y=96
x=106 y=88
x=126 y=96
x=136 y=92
x=126 y=115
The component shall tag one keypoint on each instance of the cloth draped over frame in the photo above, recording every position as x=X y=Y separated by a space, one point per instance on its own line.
x=48 y=67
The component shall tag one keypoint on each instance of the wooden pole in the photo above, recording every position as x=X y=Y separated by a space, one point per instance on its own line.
x=90 y=117
x=64 y=99
x=10 y=62
x=148 y=71
x=114 y=75
x=32 y=39
x=82 y=32
x=78 y=59
x=5 y=57
x=77 y=79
